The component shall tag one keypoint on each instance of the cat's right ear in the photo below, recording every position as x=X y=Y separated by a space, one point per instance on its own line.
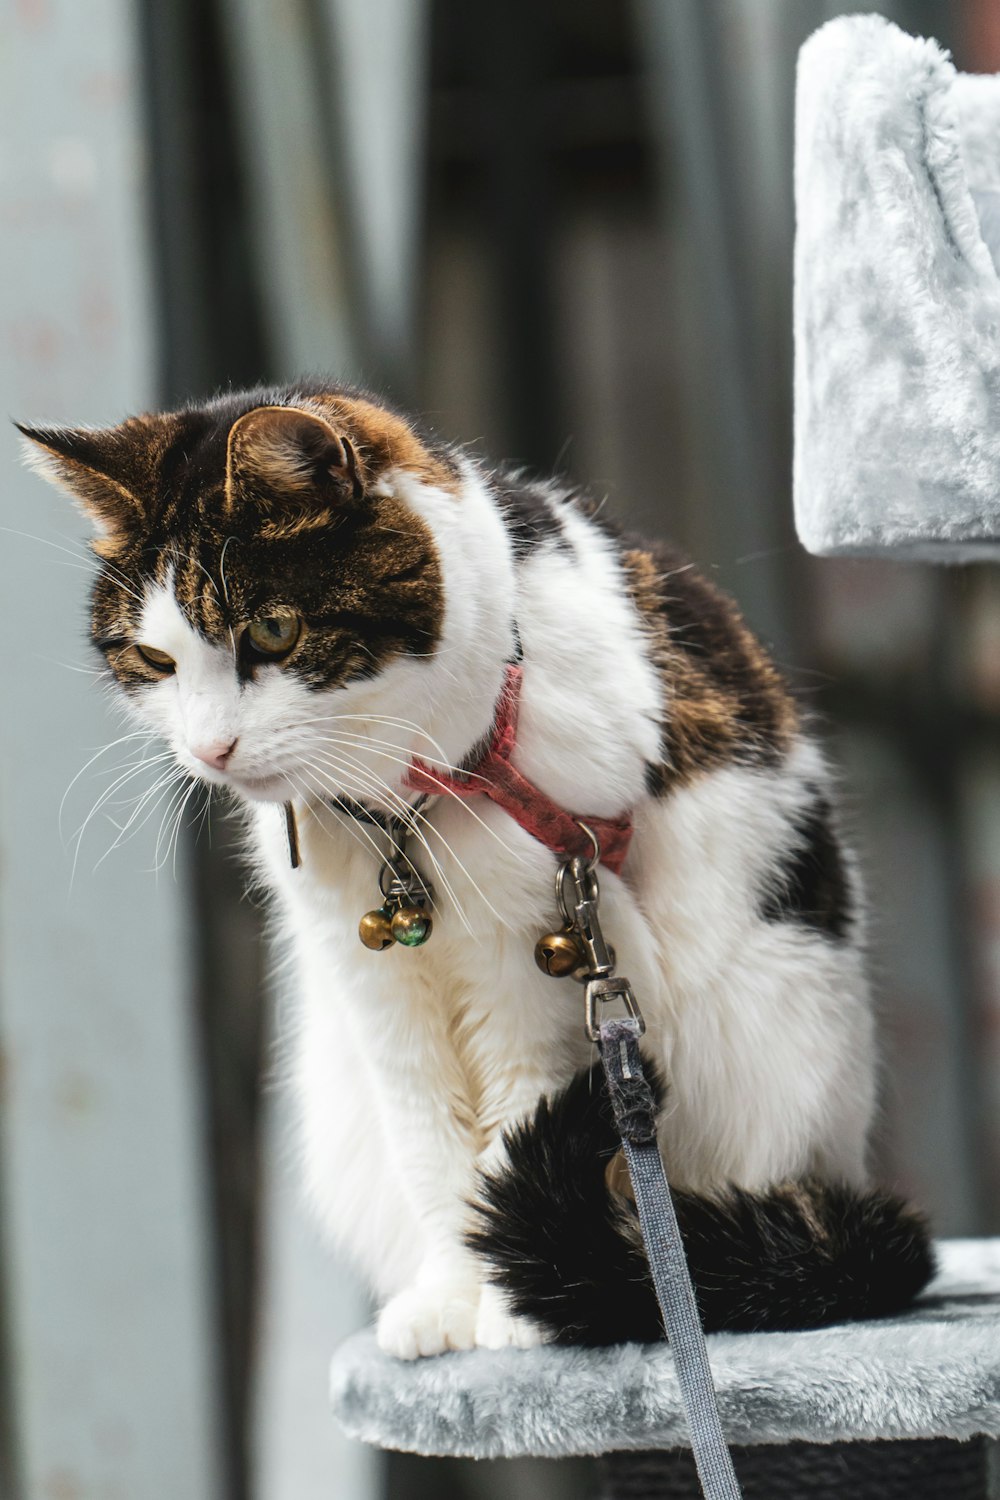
x=103 y=469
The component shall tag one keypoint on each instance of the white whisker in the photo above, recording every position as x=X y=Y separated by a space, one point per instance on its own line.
x=358 y=829
x=177 y=799
x=199 y=564
x=364 y=741
x=222 y=567
x=418 y=830
x=135 y=734
x=69 y=666
x=108 y=792
x=150 y=800
x=392 y=722
x=357 y=742
x=372 y=784
x=86 y=562
x=177 y=826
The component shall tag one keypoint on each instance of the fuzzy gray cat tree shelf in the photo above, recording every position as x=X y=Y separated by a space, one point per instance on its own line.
x=897 y=298
x=895 y=1406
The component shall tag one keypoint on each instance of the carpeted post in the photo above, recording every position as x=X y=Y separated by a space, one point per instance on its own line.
x=936 y=1469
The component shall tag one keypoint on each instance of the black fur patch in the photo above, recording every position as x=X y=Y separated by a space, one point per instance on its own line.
x=811 y=886
x=655 y=779
x=529 y=513
x=555 y=1240
x=569 y=1255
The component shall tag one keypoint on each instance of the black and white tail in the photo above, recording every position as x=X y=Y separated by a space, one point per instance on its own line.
x=566 y=1248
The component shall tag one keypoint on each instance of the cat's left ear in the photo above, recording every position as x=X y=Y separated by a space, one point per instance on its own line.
x=284 y=453
x=106 y=470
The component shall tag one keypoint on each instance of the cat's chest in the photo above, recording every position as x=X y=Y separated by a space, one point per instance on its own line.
x=492 y=883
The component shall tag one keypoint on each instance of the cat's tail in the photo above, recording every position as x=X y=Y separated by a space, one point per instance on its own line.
x=565 y=1246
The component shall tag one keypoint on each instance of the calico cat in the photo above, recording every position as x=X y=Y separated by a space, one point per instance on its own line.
x=308 y=596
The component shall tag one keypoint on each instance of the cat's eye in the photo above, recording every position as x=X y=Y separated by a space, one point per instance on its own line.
x=156 y=659
x=275 y=634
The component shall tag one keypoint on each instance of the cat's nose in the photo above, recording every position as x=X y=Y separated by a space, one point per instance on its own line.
x=214 y=755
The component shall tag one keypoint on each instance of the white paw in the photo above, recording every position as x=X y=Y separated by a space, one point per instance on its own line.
x=498 y=1328
x=429 y=1320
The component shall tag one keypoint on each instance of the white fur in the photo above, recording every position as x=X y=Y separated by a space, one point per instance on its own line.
x=408 y=1064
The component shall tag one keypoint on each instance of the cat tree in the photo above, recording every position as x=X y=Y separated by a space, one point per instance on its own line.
x=921 y=1386
x=897 y=451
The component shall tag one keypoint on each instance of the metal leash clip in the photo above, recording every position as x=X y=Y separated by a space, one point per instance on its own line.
x=581 y=950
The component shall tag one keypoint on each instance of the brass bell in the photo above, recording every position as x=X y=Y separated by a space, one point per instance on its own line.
x=375 y=929
x=558 y=954
x=411 y=926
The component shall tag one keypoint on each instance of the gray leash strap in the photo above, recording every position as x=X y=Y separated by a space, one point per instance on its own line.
x=635 y=1115
x=592 y=961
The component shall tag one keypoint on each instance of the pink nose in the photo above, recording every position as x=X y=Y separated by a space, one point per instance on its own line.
x=214 y=755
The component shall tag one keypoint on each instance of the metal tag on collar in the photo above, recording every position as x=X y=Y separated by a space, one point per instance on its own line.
x=292 y=834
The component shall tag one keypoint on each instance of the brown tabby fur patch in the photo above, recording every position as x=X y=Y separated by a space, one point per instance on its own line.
x=724 y=701
x=361 y=568
x=384 y=440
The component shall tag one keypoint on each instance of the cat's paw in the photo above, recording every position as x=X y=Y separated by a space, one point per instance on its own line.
x=429 y=1320
x=498 y=1328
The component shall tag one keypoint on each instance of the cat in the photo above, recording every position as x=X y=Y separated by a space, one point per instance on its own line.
x=307 y=596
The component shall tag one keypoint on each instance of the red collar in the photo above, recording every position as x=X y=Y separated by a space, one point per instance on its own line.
x=495 y=777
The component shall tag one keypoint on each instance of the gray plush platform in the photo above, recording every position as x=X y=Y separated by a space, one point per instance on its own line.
x=934 y=1372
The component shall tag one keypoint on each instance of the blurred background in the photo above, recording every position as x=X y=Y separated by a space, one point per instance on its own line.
x=562 y=231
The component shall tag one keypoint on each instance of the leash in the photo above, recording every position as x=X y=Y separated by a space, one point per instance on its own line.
x=635 y=1117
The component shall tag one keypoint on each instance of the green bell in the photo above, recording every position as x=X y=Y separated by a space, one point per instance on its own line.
x=411 y=926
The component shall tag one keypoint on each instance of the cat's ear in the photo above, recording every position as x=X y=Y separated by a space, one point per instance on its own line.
x=104 y=469
x=282 y=451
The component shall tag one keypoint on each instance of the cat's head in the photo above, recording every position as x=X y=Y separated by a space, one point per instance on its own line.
x=263 y=576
